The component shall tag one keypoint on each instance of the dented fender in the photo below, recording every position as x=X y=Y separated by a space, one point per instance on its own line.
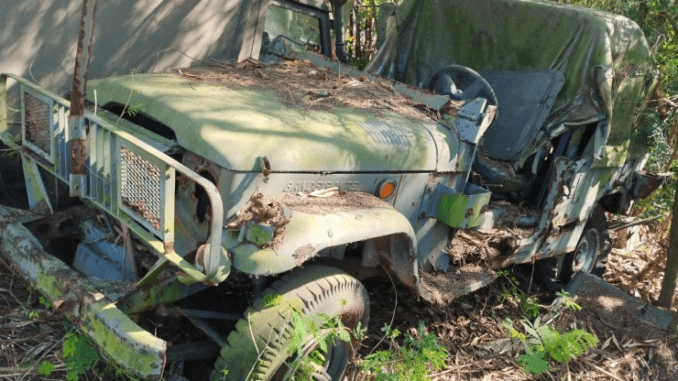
x=307 y=233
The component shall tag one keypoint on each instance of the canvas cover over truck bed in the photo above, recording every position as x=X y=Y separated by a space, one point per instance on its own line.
x=605 y=60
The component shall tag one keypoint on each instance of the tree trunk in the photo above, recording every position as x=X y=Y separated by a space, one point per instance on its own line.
x=81 y=70
x=671 y=270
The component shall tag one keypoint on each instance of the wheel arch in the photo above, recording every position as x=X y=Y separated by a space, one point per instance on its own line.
x=388 y=237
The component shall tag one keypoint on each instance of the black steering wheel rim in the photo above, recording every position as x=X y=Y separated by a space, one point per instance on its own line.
x=462 y=83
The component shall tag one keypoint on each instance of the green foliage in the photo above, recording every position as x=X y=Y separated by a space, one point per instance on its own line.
x=224 y=373
x=658 y=204
x=324 y=330
x=528 y=303
x=566 y=301
x=658 y=130
x=46 y=368
x=533 y=363
x=79 y=354
x=11 y=141
x=272 y=300
x=361 y=27
x=419 y=354
x=543 y=344
x=512 y=331
x=359 y=332
x=133 y=110
x=414 y=360
x=69 y=345
x=321 y=329
x=45 y=303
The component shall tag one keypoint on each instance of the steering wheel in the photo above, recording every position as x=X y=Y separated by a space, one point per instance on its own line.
x=461 y=83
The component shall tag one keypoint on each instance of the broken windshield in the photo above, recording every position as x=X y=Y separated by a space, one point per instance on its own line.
x=287 y=30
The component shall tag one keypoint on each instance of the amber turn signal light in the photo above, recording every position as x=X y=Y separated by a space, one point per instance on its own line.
x=386 y=190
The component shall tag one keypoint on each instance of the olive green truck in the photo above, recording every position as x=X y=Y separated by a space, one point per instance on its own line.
x=201 y=194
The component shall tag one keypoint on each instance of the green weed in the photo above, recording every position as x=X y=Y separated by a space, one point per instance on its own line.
x=12 y=142
x=133 y=110
x=45 y=303
x=322 y=329
x=419 y=355
x=79 y=354
x=46 y=368
x=527 y=303
x=543 y=344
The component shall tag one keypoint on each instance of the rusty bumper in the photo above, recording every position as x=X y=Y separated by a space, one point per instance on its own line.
x=117 y=336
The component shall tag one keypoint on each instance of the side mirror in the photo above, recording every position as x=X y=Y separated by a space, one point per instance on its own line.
x=386 y=11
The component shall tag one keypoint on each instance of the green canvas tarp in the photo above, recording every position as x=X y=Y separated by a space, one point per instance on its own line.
x=605 y=59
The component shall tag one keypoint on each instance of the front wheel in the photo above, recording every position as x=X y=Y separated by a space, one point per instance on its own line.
x=261 y=347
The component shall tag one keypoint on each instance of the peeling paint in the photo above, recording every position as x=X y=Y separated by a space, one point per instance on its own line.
x=303 y=254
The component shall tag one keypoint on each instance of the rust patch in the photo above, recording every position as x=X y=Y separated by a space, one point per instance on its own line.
x=264 y=211
x=261 y=210
x=182 y=180
x=303 y=253
x=78 y=152
x=278 y=238
x=651 y=182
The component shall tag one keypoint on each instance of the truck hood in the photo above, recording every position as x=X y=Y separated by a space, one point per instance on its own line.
x=234 y=127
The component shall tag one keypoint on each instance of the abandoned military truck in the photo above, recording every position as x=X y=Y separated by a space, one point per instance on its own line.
x=234 y=195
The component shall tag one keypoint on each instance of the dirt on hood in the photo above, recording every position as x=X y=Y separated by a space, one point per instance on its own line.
x=329 y=200
x=300 y=84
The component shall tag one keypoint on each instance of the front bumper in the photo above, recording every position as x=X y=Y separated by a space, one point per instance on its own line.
x=137 y=351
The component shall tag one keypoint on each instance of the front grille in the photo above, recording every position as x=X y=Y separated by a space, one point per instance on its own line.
x=38 y=122
x=140 y=186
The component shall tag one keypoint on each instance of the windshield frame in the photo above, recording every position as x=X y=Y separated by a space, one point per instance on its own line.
x=320 y=14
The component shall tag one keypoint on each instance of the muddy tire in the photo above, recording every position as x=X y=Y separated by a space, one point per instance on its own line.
x=313 y=290
x=592 y=250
